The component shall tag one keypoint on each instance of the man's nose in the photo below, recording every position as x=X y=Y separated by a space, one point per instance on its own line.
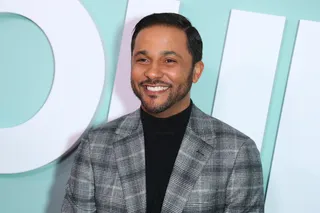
x=153 y=72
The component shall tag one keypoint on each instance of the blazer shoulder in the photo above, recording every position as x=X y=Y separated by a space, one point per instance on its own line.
x=223 y=132
x=232 y=138
x=223 y=129
x=108 y=131
x=229 y=142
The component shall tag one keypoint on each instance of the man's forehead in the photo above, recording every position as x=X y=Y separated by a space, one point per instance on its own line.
x=164 y=38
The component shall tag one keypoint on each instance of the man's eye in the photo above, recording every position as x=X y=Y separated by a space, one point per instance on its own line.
x=170 y=61
x=142 y=60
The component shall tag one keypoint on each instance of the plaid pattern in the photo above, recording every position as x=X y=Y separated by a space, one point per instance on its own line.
x=217 y=169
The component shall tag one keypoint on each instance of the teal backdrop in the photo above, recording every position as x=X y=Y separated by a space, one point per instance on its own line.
x=27 y=72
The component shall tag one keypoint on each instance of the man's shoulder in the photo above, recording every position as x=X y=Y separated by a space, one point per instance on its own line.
x=108 y=131
x=211 y=126
x=223 y=137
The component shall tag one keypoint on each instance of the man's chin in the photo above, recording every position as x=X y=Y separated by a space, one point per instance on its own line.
x=154 y=107
x=155 y=100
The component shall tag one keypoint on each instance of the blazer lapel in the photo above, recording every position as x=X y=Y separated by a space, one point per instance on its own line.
x=130 y=157
x=192 y=156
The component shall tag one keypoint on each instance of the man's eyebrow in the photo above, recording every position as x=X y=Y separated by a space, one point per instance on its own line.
x=141 y=52
x=167 y=52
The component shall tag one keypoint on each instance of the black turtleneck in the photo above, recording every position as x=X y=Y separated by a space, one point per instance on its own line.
x=163 y=137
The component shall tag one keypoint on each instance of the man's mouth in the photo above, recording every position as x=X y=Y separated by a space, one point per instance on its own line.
x=157 y=88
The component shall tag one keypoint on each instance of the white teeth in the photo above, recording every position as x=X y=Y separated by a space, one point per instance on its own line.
x=157 y=89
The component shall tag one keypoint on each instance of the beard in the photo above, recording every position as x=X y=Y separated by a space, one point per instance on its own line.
x=176 y=94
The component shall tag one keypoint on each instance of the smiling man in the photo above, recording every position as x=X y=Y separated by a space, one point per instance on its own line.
x=168 y=156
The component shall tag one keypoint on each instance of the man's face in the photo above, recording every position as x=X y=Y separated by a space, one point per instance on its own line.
x=161 y=71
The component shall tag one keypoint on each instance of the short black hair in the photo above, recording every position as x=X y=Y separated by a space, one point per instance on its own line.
x=194 y=41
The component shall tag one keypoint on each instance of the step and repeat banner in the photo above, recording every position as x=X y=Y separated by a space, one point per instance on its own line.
x=244 y=91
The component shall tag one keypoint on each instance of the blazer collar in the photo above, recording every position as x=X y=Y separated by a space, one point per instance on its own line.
x=196 y=148
x=199 y=123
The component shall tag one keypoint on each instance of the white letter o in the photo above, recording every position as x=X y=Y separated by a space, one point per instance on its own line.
x=76 y=90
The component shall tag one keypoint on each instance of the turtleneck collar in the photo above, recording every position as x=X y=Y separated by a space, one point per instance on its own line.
x=169 y=124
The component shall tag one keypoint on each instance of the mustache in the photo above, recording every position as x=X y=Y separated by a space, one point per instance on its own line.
x=154 y=82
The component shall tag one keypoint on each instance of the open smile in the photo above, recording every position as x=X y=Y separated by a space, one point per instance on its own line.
x=155 y=90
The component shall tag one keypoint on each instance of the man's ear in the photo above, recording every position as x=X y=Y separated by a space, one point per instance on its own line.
x=197 y=71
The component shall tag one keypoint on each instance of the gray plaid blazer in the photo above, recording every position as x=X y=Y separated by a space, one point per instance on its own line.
x=217 y=169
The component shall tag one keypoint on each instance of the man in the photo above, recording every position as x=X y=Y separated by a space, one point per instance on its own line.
x=168 y=156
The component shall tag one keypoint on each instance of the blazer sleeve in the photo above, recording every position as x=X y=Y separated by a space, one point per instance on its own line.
x=245 y=193
x=79 y=196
